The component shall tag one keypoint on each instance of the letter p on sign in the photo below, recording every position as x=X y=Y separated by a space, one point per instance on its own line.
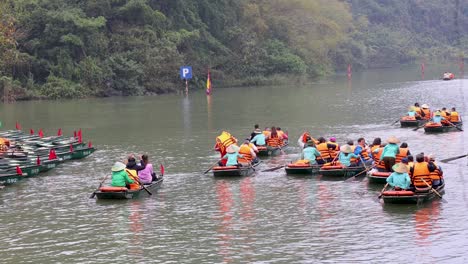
x=186 y=72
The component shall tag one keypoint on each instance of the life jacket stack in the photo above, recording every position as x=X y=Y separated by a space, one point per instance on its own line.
x=224 y=141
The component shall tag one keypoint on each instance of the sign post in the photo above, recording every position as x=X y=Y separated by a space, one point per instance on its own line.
x=186 y=74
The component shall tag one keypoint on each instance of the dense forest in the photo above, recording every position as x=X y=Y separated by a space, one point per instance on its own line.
x=80 y=48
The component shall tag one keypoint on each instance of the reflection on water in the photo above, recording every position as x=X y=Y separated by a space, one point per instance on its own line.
x=266 y=218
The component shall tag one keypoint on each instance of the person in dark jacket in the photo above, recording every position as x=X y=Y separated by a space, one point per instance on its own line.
x=133 y=165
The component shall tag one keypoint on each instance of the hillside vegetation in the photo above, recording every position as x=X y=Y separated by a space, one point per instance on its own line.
x=71 y=49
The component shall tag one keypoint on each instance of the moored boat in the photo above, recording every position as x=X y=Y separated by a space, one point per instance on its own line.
x=447 y=76
x=411 y=121
x=109 y=192
x=339 y=171
x=432 y=127
x=8 y=178
x=378 y=176
x=411 y=197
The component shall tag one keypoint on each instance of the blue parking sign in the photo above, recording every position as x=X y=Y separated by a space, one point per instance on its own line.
x=186 y=72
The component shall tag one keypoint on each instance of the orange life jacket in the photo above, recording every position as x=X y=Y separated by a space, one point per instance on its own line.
x=376 y=156
x=266 y=133
x=364 y=154
x=436 y=174
x=306 y=137
x=352 y=151
x=427 y=113
x=454 y=117
x=403 y=154
x=245 y=151
x=134 y=176
x=445 y=114
x=421 y=171
x=417 y=110
x=324 y=151
x=274 y=142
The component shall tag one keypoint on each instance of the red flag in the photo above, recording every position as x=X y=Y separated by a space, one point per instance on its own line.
x=90 y=145
x=161 y=168
x=40 y=133
x=18 y=126
x=52 y=154
x=74 y=133
x=19 y=171
x=71 y=147
x=38 y=161
x=80 y=138
x=59 y=133
x=31 y=131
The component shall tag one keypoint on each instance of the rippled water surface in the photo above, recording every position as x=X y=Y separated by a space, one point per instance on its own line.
x=266 y=218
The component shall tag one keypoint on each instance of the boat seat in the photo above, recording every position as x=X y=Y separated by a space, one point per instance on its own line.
x=336 y=167
x=113 y=189
x=423 y=189
x=225 y=168
x=398 y=193
x=381 y=173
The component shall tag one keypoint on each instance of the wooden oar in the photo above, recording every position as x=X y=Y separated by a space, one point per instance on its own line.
x=414 y=129
x=273 y=169
x=434 y=190
x=211 y=167
x=100 y=185
x=395 y=122
x=354 y=177
x=452 y=124
x=381 y=192
x=453 y=158
x=139 y=182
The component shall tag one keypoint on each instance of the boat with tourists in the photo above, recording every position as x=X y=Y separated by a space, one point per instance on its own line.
x=411 y=121
x=378 y=177
x=234 y=171
x=412 y=197
x=110 y=192
x=302 y=168
x=447 y=76
x=432 y=127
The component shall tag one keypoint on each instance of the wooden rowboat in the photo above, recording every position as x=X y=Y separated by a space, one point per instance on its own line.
x=233 y=171
x=410 y=197
x=378 y=176
x=9 y=178
x=411 y=121
x=339 y=171
x=109 y=192
x=293 y=169
x=440 y=128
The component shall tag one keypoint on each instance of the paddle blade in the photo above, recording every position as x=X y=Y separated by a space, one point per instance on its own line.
x=453 y=158
x=161 y=169
x=273 y=169
x=92 y=195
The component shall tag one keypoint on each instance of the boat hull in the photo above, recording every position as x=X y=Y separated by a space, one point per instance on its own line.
x=416 y=198
x=306 y=170
x=378 y=177
x=343 y=172
x=230 y=171
x=442 y=128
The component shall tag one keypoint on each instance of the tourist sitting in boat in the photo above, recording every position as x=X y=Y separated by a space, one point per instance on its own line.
x=133 y=165
x=326 y=149
x=259 y=140
x=444 y=113
x=346 y=154
x=336 y=149
x=399 y=179
x=119 y=177
x=418 y=111
x=425 y=112
x=281 y=134
x=273 y=140
x=454 y=117
x=437 y=118
x=146 y=175
x=311 y=153
x=374 y=148
x=248 y=153
x=411 y=112
x=363 y=151
x=403 y=153
x=389 y=153
x=231 y=156
x=421 y=171
x=255 y=132
x=223 y=141
x=267 y=131
x=437 y=174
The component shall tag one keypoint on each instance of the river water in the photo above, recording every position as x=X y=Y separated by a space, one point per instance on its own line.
x=266 y=218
